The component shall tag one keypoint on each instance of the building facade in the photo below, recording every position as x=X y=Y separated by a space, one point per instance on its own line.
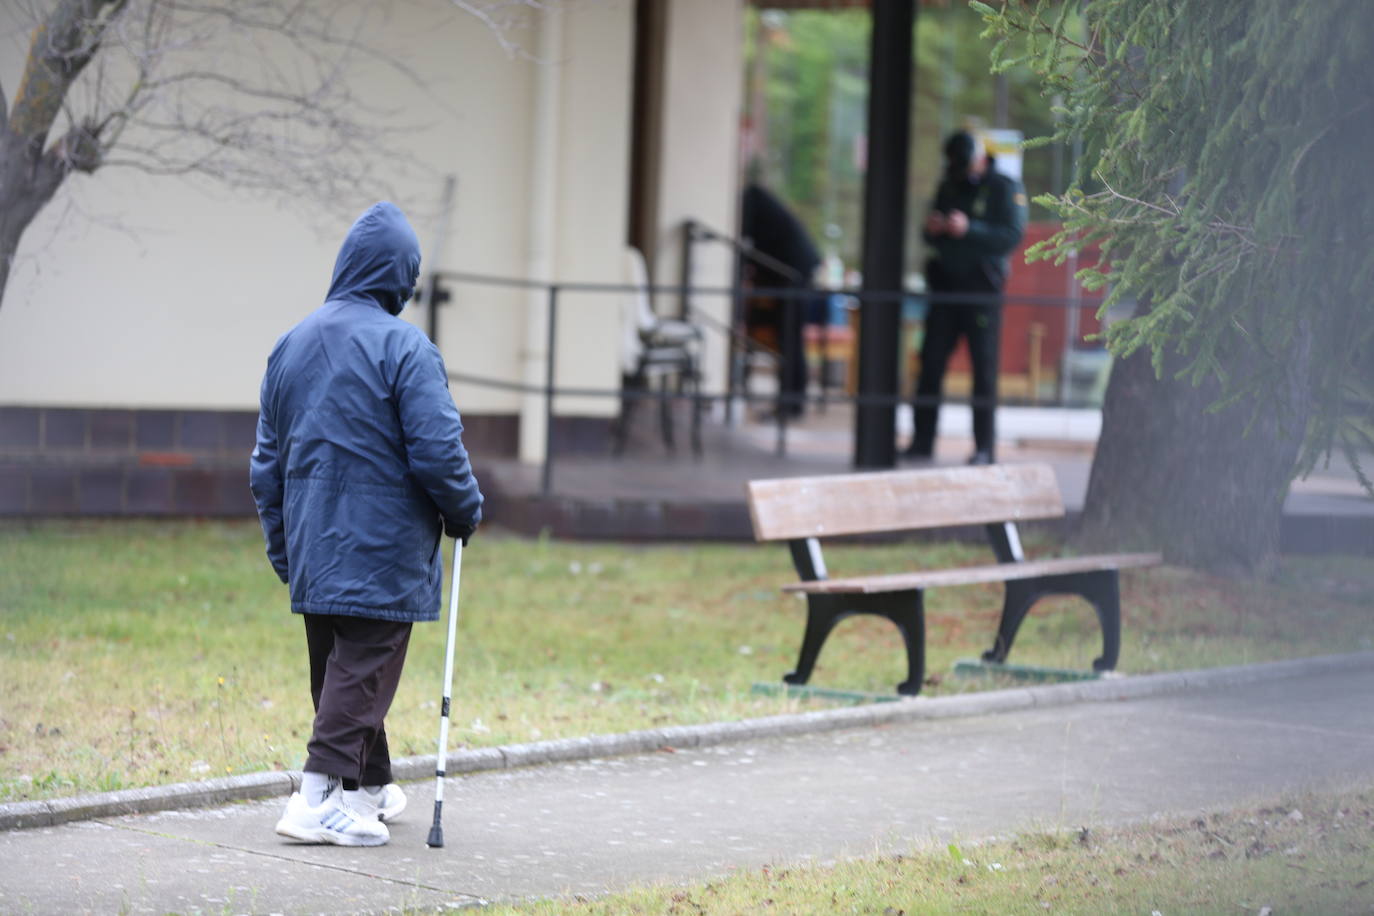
x=140 y=309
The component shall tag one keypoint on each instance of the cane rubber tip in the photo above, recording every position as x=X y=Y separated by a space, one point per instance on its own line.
x=436 y=839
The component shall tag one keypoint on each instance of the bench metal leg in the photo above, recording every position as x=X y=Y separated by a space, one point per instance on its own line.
x=905 y=609
x=1100 y=588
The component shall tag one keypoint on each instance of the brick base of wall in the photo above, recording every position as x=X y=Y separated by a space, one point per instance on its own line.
x=62 y=461
x=124 y=489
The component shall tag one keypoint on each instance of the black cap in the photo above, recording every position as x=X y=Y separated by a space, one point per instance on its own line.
x=959 y=150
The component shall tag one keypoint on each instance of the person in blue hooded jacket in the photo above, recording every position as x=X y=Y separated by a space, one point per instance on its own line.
x=359 y=468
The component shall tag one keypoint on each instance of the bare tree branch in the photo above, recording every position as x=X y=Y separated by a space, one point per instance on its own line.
x=260 y=95
x=62 y=46
x=501 y=17
x=309 y=35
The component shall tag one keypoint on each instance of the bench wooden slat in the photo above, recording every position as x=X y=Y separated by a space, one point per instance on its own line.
x=970 y=575
x=804 y=507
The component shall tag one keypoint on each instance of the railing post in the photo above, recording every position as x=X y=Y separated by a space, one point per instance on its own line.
x=435 y=295
x=689 y=237
x=735 y=352
x=546 y=482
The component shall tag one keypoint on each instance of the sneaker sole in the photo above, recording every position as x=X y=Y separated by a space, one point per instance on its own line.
x=321 y=835
x=390 y=814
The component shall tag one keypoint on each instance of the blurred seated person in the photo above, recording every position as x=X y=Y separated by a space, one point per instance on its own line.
x=790 y=261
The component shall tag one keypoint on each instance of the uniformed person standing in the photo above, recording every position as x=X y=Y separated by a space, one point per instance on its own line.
x=978 y=218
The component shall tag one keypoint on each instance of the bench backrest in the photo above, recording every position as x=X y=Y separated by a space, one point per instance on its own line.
x=864 y=503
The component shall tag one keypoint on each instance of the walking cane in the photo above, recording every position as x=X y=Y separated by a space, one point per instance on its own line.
x=436 y=832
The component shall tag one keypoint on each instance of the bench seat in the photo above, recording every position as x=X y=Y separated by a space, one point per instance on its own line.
x=802 y=510
x=973 y=575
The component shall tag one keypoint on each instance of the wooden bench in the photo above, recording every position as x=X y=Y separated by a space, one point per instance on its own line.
x=802 y=510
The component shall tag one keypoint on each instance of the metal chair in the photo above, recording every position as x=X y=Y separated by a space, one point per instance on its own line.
x=654 y=349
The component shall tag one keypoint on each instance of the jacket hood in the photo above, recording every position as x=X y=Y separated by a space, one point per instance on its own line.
x=379 y=259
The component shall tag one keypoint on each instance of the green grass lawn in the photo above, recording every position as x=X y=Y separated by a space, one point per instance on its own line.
x=1311 y=854
x=137 y=653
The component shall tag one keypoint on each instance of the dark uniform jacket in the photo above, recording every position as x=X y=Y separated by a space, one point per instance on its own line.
x=359 y=460
x=996 y=209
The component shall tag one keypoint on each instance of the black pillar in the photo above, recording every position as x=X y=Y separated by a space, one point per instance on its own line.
x=885 y=193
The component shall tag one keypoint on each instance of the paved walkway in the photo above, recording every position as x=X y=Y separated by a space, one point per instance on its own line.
x=680 y=815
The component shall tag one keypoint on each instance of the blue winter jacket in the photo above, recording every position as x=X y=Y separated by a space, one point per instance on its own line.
x=359 y=461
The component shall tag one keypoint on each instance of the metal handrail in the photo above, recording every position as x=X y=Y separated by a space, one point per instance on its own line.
x=780 y=292
x=888 y=400
x=700 y=231
x=553 y=289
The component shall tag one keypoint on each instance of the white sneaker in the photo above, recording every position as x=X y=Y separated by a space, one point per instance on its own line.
x=332 y=821
x=385 y=803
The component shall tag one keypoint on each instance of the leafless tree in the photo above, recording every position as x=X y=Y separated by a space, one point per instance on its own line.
x=257 y=94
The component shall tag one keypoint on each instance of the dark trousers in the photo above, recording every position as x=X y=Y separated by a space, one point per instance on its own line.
x=355 y=665
x=792 y=372
x=945 y=323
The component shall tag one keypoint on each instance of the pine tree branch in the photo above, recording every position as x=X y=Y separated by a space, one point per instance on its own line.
x=1245 y=234
x=1092 y=53
x=1116 y=195
x=1346 y=115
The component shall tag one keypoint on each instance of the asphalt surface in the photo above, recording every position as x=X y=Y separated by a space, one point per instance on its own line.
x=681 y=814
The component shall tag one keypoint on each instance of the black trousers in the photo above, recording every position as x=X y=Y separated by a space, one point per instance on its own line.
x=945 y=323
x=792 y=373
x=355 y=666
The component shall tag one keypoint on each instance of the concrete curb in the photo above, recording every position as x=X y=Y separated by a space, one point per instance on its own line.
x=252 y=786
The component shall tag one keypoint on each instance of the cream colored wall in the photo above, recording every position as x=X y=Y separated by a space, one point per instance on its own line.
x=698 y=177
x=141 y=291
x=179 y=309
x=179 y=305
x=483 y=140
x=580 y=117
x=592 y=195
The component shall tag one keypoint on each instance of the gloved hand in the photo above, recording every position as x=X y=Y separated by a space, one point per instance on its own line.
x=461 y=532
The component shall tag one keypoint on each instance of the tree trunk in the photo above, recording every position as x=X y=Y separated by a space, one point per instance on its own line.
x=63 y=44
x=1199 y=486
x=26 y=186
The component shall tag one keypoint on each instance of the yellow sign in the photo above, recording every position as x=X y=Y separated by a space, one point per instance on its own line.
x=1004 y=145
